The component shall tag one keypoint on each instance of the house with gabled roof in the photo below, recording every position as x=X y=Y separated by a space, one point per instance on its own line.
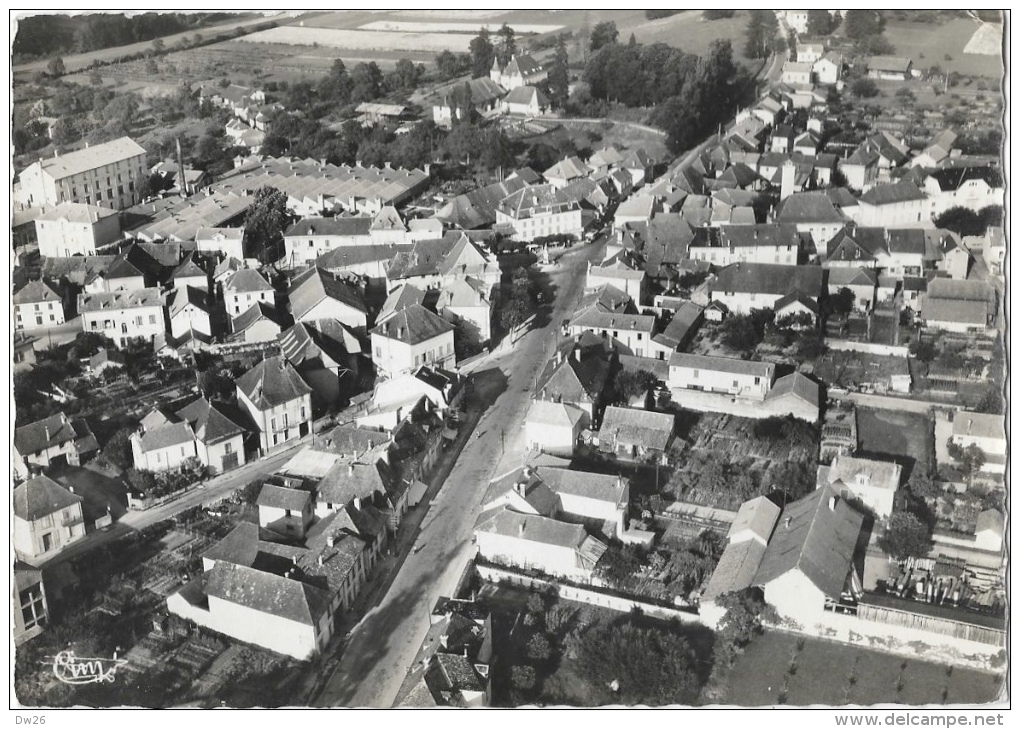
x=277 y=400
x=873 y=483
x=244 y=288
x=728 y=375
x=328 y=356
x=75 y=229
x=828 y=68
x=986 y=431
x=808 y=564
x=632 y=333
x=632 y=433
x=309 y=238
x=165 y=447
x=412 y=337
x=530 y=542
x=542 y=210
x=37 y=305
x=526 y=101
x=190 y=272
x=576 y=375
x=219 y=430
x=969 y=187
x=937 y=153
x=124 y=315
x=811 y=212
x=467 y=303
x=47 y=518
x=744 y=287
x=861 y=281
x=959 y=306
x=554 y=427
x=764 y=243
x=56 y=438
x=520 y=70
x=228 y=241
x=190 y=311
x=315 y=294
x=258 y=323
x=432 y=263
x=896 y=204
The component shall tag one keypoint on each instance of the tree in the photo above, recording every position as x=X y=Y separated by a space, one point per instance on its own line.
x=55 y=67
x=117 y=451
x=963 y=221
x=407 y=74
x=523 y=677
x=450 y=64
x=972 y=458
x=603 y=34
x=637 y=665
x=366 y=82
x=905 y=536
x=521 y=303
x=629 y=384
x=559 y=77
x=841 y=303
x=539 y=649
x=819 y=22
x=745 y=612
x=745 y=331
x=924 y=485
x=865 y=88
x=990 y=402
x=158 y=46
x=482 y=54
x=507 y=45
x=717 y=14
x=264 y=224
x=858 y=24
x=923 y=350
x=619 y=564
x=760 y=36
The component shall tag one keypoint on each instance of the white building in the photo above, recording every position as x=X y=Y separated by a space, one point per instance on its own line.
x=108 y=174
x=163 y=447
x=411 y=338
x=47 y=518
x=37 y=305
x=554 y=427
x=278 y=400
x=973 y=188
x=539 y=211
x=189 y=310
x=874 y=483
x=228 y=241
x=900 y=204
x=768 y=243
x=737 y=377
x=73 y=229
x=123 y=315
x=522 y=70
x=985 y=431
x=309 y=238
x=244 y=289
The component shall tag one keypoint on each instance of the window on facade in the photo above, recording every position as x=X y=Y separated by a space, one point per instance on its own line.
x=735 y=384
x=272 y=424
x=152 y=318
x=228 y=447
x=286 y=512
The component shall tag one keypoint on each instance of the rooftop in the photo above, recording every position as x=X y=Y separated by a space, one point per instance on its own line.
x=96 y=155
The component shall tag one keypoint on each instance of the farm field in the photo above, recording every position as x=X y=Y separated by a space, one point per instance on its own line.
x=362 y=40
x=928 y=44
x=822 y=675
x=903 y=436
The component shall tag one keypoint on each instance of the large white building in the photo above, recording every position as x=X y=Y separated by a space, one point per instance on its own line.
x=123 y=315
x=539 y=211
x=37 y=306
x=47 y=517
x=108 y=174
x=278 y=400
x=411 y=338
x=741 y=378
x=73 y=229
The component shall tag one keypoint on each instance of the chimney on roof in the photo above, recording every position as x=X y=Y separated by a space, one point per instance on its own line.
x=970 y=422
x=832 y=503
x=331 y=539
x=320 y=560
x=71 y=489
x=357 y=503
x=789 y=520
x=294 y=559
x=47 y=431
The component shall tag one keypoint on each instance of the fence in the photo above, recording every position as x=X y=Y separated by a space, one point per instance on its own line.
x=847 y=345
x=590 y=597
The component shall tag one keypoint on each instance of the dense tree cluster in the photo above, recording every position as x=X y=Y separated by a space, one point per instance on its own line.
x=692 y=94
x=967 y=222
x=821 y=22
x=906 y=535
x=761 y=37
x=717 y=14
x=46 y=35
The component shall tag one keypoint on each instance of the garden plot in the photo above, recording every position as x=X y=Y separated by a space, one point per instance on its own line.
x=362 y=40
x=402 y=26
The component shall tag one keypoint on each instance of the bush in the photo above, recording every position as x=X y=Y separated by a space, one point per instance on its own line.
x=865 y=88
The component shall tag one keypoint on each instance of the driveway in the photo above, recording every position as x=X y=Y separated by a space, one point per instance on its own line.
x=375 y=661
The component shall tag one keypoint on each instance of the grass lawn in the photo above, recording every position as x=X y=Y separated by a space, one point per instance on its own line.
x=927 y=44
x=906 y=437
x=823 y=670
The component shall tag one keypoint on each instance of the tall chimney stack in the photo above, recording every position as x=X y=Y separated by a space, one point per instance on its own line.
x=182 y=184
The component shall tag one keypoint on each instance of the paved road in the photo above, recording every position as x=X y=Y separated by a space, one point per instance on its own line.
x=887 y=402
x=384 y=644
x=212 y=492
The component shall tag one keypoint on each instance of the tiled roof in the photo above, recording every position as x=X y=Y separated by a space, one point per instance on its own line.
x=892 y=64
x=852 y=277
x=876 y=474
x=268 y=593
x=594 y=319
x=815 y=539
x=735 y=570
x=120 y=300
x=599 y=487
x=212 y=422
x=41 y=496
x=347 y=480
x=413 y=325
x=949 y=310
x=246 y=280
x=544 y=412
x=77 y=213
x=957 y=290
x=525 y=95
x=399 y=299
x=358 y=225
x=722 y=364
x=314 y=285
x=166 y=436
x=97 y=155
x=891 y=194
x=280 y=497
x=797 y=385
x=256 y=312
x=567 y=168
x=979 y=425
x=808 y=207
x=36 y=291
x=42 y=434
x=182 y=297
x=629 y=426
x=535 y=529
x=272 y=382
x=768 y=278
x=757 y=516
x=522 y=64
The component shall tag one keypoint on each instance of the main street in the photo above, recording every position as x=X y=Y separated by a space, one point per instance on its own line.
x=384 y=644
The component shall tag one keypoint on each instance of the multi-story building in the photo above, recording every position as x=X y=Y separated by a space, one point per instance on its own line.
x=108 y=174
x=770 y=243
x=37 y=306
x=123 y=315
x=308 y=239
x=278 y=400
x=521 y=70
x=411 y=338
x=539 y=211
x=73 y=229
x=743 y=287
x=244 y=289
x=47 y=517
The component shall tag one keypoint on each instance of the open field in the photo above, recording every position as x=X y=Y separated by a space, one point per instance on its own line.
x=835 y=674
x=362 y=40
x=903 y=436
x=927 y=44
x=405 y=26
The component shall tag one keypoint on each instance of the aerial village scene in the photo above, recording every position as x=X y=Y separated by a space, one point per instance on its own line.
x=506 y=358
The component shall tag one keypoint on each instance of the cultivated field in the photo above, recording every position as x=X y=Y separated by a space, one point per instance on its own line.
x=362 y=40
x=403 y=26
x=928 y=44
x=836 y=674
